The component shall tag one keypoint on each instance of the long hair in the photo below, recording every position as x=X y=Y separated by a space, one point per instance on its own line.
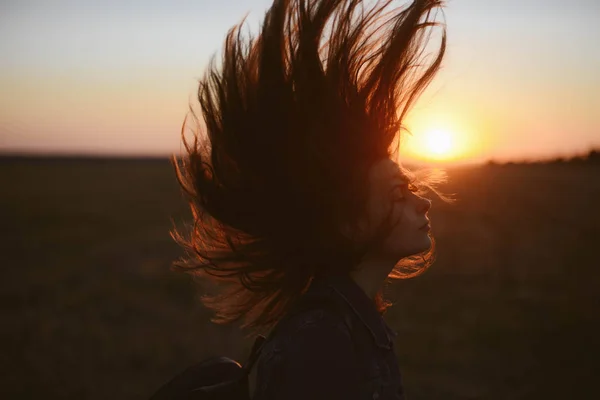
x=293 y=120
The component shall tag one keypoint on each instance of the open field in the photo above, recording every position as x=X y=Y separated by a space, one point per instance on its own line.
x=510 y=309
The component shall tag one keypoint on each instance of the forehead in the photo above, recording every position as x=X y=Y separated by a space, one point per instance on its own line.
x=387 y=170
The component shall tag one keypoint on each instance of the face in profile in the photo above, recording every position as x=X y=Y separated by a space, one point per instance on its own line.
x=391 y=190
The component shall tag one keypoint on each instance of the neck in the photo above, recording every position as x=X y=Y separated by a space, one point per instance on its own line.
x=370 y=275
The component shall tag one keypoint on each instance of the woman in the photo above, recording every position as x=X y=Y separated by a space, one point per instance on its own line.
x=299 y=209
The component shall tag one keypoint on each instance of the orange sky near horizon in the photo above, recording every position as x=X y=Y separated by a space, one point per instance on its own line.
x=520 y=80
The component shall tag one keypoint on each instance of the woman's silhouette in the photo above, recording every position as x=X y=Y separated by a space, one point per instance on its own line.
x=297 y=202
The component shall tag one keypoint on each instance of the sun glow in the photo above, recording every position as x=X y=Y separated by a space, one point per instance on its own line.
x=441 y=137
x=434 y=144
x=439 y=142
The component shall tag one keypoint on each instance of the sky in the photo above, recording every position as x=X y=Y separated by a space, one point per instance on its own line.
x=521 y=78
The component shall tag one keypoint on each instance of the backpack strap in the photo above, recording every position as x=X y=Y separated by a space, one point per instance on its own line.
x=254 y=353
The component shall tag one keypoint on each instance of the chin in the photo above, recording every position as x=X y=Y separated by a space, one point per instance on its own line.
x=398 y=248
x=426 y=244
x=419 y=246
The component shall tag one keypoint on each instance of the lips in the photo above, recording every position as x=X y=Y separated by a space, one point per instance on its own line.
x=425 y=225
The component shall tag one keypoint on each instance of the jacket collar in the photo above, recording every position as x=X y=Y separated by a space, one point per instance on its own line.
x=344 y=286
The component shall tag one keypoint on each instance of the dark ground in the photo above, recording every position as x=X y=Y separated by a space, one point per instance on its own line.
x=510 y=309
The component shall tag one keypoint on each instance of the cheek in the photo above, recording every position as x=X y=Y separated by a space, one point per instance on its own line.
x=401 y=229
x=399 y=242
x=398 y=214
x=378 y=208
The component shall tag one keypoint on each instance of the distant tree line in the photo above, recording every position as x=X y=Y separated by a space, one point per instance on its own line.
x=592 y=157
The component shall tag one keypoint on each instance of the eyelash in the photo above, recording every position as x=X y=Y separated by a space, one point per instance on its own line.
x=409 y=186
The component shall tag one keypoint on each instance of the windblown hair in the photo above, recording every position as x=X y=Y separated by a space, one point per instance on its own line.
x=294 y=119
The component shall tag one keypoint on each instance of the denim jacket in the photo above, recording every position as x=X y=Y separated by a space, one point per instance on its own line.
x=344 y=352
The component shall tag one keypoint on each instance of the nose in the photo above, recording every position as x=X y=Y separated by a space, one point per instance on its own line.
x=424 y=205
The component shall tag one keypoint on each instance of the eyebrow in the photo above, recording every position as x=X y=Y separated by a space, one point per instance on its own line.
x=402 y=177
x=401 y=180
x=398 y=184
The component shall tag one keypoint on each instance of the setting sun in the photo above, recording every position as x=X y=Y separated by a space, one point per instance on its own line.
x=440 y=137
x=435 y=144
x=439 y=142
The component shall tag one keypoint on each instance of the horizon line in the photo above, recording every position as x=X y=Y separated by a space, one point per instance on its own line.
x=24 y=154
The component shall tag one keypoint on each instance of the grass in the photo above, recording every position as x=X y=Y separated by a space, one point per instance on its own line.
x=508 y=311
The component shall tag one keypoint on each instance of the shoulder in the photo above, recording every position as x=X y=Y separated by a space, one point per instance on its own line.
x=311 y=355
x=322 y=319
x=323 y=322
x=314 y=327
x=319 y=327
